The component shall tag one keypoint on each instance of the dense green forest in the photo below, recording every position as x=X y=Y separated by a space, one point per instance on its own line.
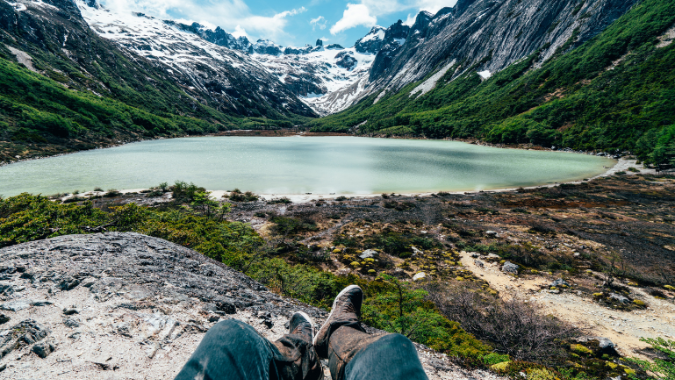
x=615 y=92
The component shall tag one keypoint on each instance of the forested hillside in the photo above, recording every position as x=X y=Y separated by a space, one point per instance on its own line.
x=614 y=92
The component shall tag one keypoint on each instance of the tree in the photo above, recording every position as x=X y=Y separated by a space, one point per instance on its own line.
x=202 y=201
x=404 y=310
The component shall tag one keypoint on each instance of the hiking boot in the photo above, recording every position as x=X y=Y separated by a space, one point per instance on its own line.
x=301 y=324
x=346 y=310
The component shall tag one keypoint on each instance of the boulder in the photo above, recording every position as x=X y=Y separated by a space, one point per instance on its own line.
x=510 y=267
x=419 y=276
x=619 y=297
x=16 y=305
x=70 y=322
x=226 y=306
x=88 y=282
x=605 y=346
x=6 y=288
x=368 y=253
x=24 y=333
x=560 y=282
x=43 y=349
x=69 y=283
x=70 y=311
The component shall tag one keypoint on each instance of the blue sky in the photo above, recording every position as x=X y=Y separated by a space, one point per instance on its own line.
x=287 y=22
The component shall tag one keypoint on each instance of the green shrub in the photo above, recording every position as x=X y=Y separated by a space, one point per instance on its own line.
x=291 y=226
x=237 y=196
x=185 y=192
x=662 y=367
x=494 y=358
x=283 y=200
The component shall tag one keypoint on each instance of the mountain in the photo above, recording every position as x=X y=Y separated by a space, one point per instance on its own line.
x=208 y=64
x=217 y=36
x=591 y=75
x=371 y=42
x=63 y=87
x=321 y=77
x=487 y=34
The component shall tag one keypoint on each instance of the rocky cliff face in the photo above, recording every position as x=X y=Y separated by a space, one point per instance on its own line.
x=217 y=36
x=371 y=42
x=485 y=36
x=82 y=305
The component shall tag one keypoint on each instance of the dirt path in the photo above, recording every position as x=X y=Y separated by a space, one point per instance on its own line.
x=623 y=328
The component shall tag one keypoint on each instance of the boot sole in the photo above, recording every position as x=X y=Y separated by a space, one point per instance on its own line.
x=332 y=309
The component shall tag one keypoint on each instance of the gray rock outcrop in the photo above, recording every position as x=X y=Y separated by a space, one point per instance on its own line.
x=510 y=267
x=132 y=304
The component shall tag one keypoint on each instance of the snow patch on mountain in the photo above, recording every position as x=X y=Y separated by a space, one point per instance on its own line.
x=485 y=75
x=377 y=35
x=326 y=80
x=430 y=83
x=317 y=78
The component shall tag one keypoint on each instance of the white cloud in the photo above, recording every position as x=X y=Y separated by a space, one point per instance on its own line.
x=354 y=15
x=383 y=7
x=319 y=22
x=231 y=15
x=434 y=6
x=239 y=32
x=410 y=20
x=366 y=12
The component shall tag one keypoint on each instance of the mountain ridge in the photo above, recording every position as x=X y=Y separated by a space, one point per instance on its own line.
x=607 y=94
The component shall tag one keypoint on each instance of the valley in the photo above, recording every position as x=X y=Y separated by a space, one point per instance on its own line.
x=497 y=176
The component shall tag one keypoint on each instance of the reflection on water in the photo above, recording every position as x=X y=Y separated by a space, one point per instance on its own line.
x=293 y=165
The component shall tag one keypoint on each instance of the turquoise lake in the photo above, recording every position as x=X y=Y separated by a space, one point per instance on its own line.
x=299 y=165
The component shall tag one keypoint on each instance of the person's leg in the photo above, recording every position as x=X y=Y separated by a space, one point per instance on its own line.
x=354 y=354
x=230 y=350
x=392 y=356
x=234 y=350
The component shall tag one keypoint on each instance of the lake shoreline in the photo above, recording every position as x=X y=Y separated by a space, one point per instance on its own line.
x=497 y=181
x=620 y=166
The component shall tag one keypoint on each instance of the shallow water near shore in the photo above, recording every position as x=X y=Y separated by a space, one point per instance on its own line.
x=299 y=165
